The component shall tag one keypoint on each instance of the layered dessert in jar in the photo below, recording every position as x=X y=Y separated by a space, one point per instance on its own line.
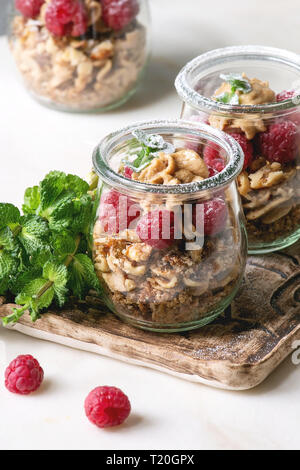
x=80 y=55
x=265 y=121
x=169 y=243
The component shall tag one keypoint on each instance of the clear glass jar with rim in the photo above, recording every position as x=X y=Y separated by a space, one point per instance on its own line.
x=80 y=55
x=268 y=131
x=170 y=256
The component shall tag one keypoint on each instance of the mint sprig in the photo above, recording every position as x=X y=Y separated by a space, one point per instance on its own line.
x=44 y=254
x=151 y=146
x=237 y=83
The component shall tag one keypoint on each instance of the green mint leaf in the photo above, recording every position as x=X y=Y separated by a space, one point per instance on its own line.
x=63 y=244
x=31 y=200
x=37 y=294
x=40 y=257
x=57 y=191
x=82 y=276
x=51 y=188
x=237 y=82
x=228 y=98
x=56 y=273
x=23 y=278
x=7 y=239
x=82 y=214
x=60 y=295
x=76 y=184
x=9 y=215
x=34 y=234
x=8 y=268
x=152 y=144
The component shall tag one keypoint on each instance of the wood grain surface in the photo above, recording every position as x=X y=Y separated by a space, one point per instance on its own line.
x=237 y=351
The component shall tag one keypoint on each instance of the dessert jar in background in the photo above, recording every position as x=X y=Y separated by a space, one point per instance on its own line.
x=80 y=55
x=252 y=93
x=169 y=242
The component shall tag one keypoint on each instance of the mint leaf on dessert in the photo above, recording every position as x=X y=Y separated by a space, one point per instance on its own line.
x=153 y=141
x=151 y=144
x=237 y=82
x=228 y=98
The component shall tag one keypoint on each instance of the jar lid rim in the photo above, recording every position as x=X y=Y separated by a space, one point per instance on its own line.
x=119 y=182
x=201 y=102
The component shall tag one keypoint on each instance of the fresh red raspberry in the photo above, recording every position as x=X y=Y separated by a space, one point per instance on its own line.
x=107 y=406
x=156 y=228
x=285 y=95
x=247 y=147
x=128 y=172
x=280 y=142
x=66 y=18
x=117 y=211
x=24 y=375
x=119 y=13
x=213 y=159
x=29 y=8
x=214 y=213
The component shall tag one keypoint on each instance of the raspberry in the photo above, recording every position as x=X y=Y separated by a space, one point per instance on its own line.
x=213 y=159
x=214 y=213
x=23 y=375
x=107 y=406
x=29 y=8
x=156 y=228
x=285 y=95
x=128 y=172
x=66 y=18
x=247 y=147
x=280 y=142
x=119 y=13
x=117 y=211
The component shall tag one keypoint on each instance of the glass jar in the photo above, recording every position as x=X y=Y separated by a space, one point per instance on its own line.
x=80 y=55
x=170 y=256
x=265 y=119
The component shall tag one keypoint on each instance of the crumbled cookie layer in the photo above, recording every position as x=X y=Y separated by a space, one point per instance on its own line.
x=168 y=286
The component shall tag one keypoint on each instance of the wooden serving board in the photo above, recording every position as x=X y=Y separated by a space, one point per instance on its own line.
x=238 y=351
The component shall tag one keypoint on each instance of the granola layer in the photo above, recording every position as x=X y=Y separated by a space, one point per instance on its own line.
x=166 y=287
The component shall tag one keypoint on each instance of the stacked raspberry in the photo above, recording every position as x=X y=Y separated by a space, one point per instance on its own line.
x=279 y=143
x=70 y=17
x=157 y=227
x=117 y=212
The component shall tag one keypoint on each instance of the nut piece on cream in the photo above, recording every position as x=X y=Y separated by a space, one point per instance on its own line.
x=260 y=93
x=182 y=166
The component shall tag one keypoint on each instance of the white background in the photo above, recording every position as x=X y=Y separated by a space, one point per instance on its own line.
x=167 y=412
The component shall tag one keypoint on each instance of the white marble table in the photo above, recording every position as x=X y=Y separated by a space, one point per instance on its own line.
x=167 y=413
